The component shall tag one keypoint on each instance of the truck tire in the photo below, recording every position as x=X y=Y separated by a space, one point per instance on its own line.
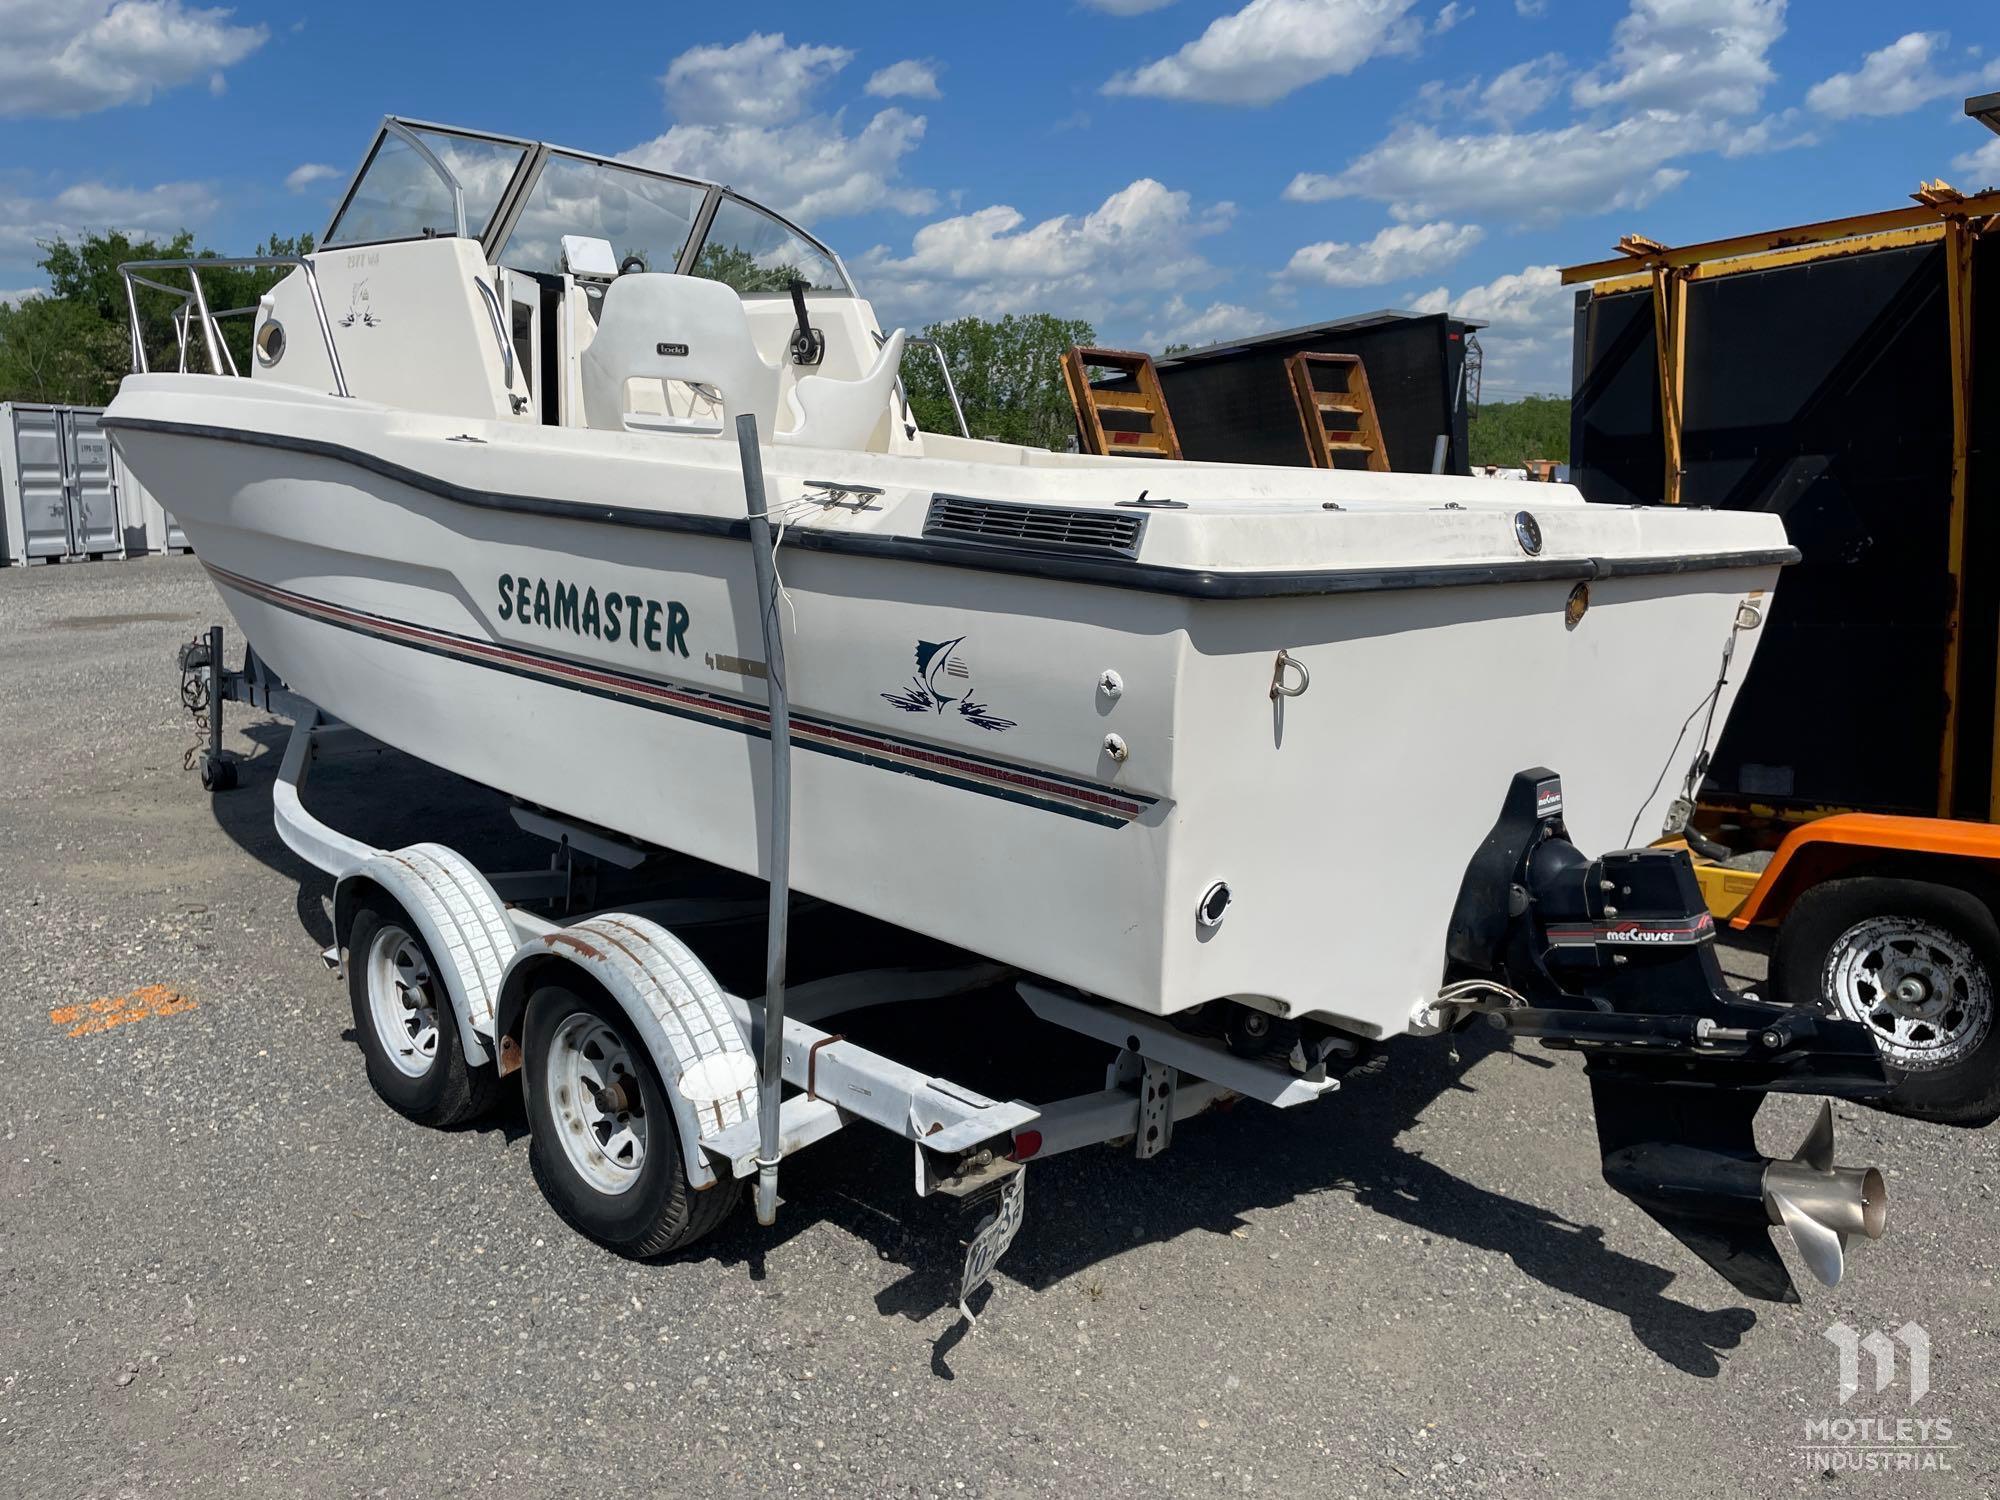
x=404 y=1019
x=601 y=1135
x=1918 y=964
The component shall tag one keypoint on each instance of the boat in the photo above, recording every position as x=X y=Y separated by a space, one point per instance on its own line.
x=1165 y=732
x=1311 y=757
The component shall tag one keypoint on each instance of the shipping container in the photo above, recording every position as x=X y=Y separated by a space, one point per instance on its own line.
x=65 y=494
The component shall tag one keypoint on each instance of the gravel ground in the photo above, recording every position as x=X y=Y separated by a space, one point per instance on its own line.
x=225 y=1268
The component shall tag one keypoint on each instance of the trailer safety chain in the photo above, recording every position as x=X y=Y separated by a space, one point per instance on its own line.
x=195 y=699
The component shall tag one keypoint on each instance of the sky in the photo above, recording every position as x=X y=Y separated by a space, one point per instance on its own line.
x=1172 y=170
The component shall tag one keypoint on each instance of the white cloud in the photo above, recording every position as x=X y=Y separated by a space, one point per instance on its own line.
x=1681 y=76
x=1450 y=16
x=1779 y=132
x=13 y=299
x=1981 y=165
x=808 y=170
x=1184 y=325
x=1399 y=250
x=302 y=177
x=911 y=78
x=1690 y=56
x=70 y=57
x=1271 y=47
x=1892 y=80
x=1529 y=314
x=1139 y=242
x=1522 y=90
x=1531 y=8
x=1511 y=97
x=743 y=118
x=1531 y=176
x=26 y=222
x=757 y=81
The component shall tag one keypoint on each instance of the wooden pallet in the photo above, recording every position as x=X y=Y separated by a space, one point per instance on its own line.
x=1339 y=416
x=1132 y=423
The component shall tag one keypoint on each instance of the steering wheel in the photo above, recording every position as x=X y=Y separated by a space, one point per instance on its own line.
x=630 y=264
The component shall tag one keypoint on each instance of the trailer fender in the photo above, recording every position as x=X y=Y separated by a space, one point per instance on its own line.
x=1839 y=845
x=460 y=920
x=675 y=1005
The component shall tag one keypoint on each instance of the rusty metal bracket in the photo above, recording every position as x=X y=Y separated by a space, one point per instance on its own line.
x=812 y=1062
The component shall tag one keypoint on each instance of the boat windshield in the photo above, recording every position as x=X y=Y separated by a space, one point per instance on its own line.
x=754 y=252
x=637 y=213
x=399 y=196
x=525 y=198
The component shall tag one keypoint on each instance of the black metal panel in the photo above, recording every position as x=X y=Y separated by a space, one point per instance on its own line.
x=1979 y=627
x=1617 y=452
x=1234 y=404
x=1821 y=393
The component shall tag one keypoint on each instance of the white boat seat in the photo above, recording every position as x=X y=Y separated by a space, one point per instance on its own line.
x=659 y=327
x=844 y=413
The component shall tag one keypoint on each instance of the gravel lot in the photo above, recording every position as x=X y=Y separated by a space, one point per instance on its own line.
x=226 y=1268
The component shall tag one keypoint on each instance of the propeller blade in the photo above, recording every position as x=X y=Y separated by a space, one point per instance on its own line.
x=1816 y=1150
x=1823 y=1250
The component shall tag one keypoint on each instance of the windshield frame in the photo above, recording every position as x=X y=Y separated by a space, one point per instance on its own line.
x=513 y=199
x=393 y=125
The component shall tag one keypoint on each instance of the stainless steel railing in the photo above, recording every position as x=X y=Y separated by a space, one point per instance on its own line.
x=944 y=369
x=194 y=308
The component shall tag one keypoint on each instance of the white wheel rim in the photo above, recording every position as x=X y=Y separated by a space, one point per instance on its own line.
x=1920 y=989
x=402 y=1000
x=594 y=1098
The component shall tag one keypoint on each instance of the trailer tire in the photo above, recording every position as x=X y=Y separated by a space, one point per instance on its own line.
x=415 y=1062
x=580 y=1142
x=1940 y=1042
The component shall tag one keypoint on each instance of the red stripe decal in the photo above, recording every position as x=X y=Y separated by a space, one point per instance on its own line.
x=1094 y=800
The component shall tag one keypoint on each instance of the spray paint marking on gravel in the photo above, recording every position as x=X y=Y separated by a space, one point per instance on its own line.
x=107 y=1011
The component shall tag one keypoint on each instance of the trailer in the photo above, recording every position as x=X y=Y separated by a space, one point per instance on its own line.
x=630 y=1052
x=1847 y=375
x=654 y=1094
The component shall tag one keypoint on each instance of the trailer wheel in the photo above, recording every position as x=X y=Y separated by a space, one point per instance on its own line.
x=403 y=1016
x=602 y=1139
x=1919 y=966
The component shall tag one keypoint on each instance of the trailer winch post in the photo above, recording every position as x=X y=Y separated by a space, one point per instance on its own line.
x=214 y=695
x=770 y=1045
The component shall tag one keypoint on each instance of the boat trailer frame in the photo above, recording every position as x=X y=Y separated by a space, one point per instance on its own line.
x=965 y=1145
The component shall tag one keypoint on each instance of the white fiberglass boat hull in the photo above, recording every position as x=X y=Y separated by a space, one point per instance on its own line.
x=1054 y=771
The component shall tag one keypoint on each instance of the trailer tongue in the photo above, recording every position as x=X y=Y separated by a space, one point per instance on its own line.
x=1615 y=958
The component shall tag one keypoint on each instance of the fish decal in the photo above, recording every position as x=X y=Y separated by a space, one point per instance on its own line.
x=943 y=681
x=358 y=309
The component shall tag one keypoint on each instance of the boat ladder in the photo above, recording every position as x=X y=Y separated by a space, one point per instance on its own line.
x=1130 y=419
x=1339 y=417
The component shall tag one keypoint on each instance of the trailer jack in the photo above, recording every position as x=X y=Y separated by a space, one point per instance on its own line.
x=1615 y=958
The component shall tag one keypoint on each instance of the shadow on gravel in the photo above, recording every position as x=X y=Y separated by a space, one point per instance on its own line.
x=1083 y=1208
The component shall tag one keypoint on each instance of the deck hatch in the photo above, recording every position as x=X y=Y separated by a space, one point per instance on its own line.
x=1106 y=533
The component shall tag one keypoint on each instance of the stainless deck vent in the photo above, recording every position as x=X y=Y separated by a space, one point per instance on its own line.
x=1105 y=533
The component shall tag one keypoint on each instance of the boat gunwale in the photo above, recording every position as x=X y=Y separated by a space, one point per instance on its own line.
x=1002 y=557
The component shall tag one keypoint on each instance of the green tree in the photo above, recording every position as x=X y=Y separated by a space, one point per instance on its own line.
x=1509 y=433
x=74 y=343
x=1008 y=374
x=60 y=352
